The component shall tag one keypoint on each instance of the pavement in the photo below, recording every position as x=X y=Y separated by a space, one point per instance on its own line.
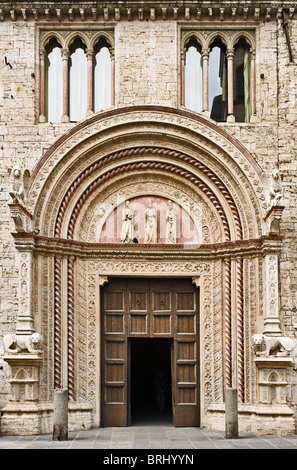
x=153 y=440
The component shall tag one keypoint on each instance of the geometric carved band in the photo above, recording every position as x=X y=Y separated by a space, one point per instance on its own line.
x=150 y=165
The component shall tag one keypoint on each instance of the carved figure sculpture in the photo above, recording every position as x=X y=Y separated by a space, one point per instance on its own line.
x=127 y=234
x=276 y=189
x=265 y=345
x=150 y=224
x=18 y=343
x=170 y=224
x=19 y=185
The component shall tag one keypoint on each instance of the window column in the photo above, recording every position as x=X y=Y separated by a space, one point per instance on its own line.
x=65 y=60
x=205 y=59
x=90 y=57
x=42 y=89
x=230 y=57
x=253 y=78
x=111 y=50
x=183 y=53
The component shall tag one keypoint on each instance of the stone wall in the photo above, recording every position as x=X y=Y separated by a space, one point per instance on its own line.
x=147 y=71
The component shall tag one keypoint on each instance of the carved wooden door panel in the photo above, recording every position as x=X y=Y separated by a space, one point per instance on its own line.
x=150 y=308
x=114 y=355
x=186 y=399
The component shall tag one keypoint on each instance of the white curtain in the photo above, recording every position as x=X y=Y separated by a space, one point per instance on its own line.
x=102 y=80
x=78 y=85
x=193 y=80
x=54 y=89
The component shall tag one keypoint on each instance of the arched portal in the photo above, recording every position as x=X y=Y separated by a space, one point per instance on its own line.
x=77 y=195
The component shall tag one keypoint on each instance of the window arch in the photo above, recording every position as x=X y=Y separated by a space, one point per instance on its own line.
x=53 y=81
x=77 y=80
x=193 y=76
x=102 y=75
x=218 y=81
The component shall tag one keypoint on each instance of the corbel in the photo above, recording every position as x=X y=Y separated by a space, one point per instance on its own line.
x=117 y=14
x=106 y=14
x=152 y=14
x=199 y=14
x=164 y=13
x=24 y=13
x=35 y=14
x=210 y=13
x=267 y=14
x=245 y=12
x=58 y=13
x=129 y=14
x=82 y=14
x=1 y=14
x=233 y=13
x=12 y=15
x=94 y=14
x=70 y=14
x=140 y=14
x=47 y=14
x=175 y=13
x=222 y=14
x=257 y=14
x=187 y=14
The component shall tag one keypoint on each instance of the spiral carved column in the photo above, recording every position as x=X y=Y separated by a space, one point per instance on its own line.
x=57 y=326
x=228 y=320
x=240 y=332
x=70 y=327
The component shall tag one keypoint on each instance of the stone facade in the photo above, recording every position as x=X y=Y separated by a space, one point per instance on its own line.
x=148 y=144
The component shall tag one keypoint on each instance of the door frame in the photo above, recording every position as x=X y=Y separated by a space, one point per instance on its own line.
x=196 y=280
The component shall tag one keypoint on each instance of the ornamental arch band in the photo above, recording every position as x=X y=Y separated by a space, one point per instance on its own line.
x=228 y=259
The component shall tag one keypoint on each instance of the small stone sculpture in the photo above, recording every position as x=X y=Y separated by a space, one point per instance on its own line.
x=170 y=224
x=150 y=224
x=276 y=189
x=14 y=343
x=19 y=185
x=127 y=234
x=266 y=345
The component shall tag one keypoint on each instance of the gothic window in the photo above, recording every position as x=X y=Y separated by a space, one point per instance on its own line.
x=53 y=82
x=76 y=75
x=77 y=81
x=193 y=77
x=218 y=75
x=102 y=76
x=217 y=81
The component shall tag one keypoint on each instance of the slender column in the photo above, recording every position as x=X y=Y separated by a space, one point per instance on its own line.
x=41 y=86
x=112 y=77
x=230 y=56
x=253 y=84
x=90 y=81
x=228 y=322
x=65 y=60
x=240 y=330
x=70 y=327
x=271 y=319
x=182 y=78
x=57 y=326
x=205 y=58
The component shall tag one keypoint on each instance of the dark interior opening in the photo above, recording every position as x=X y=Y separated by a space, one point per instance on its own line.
x=149 y=357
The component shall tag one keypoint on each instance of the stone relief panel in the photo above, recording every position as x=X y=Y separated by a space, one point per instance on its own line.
x=101 y=220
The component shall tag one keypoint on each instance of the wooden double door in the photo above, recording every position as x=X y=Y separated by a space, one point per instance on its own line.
x=164 y=310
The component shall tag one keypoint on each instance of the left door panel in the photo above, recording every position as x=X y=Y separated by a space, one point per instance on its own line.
x=114 y=355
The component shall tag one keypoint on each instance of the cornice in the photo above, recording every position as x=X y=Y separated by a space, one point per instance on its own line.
x=93 y=11
x=61 y=247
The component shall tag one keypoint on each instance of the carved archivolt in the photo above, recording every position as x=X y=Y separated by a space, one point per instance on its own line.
x=193 y=146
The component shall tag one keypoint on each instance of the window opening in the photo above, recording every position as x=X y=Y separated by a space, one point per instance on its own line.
x=53 y=82
x=78 y=81
x=102 y=76
x=193 y=77
x=217 y=82
x=242 y=82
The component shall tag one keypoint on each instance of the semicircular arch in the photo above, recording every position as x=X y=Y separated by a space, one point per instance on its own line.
x=100 y=147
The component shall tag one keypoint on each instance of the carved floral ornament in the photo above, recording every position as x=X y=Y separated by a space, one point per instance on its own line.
x=94 y=152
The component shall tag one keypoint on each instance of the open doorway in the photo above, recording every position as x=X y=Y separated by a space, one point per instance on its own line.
x=150 y=357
